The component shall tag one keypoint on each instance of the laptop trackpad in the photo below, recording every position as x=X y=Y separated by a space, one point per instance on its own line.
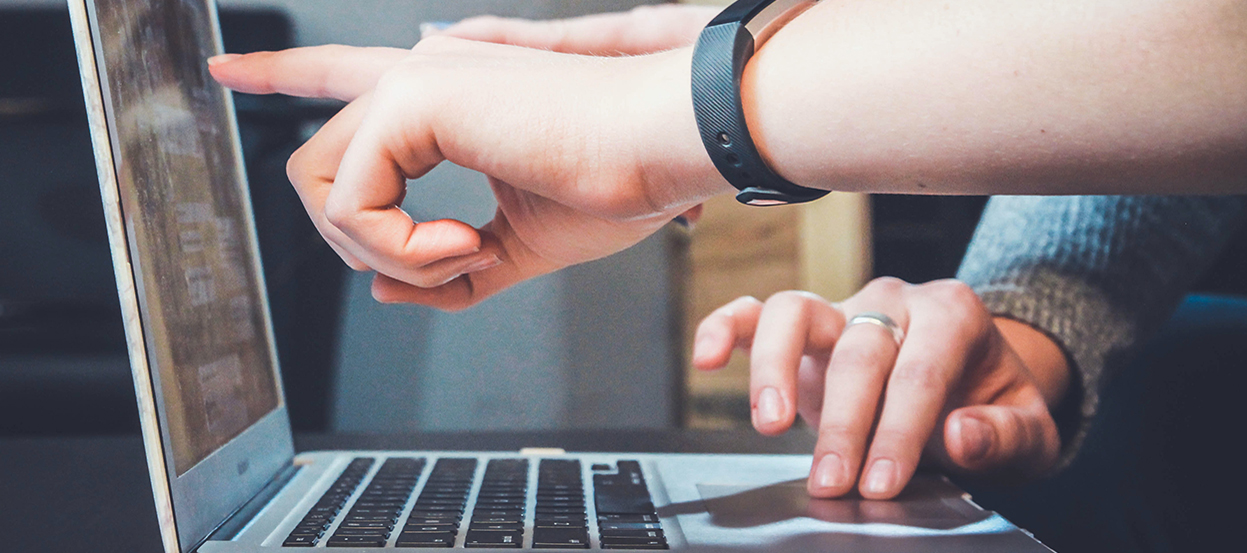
x=924 y=504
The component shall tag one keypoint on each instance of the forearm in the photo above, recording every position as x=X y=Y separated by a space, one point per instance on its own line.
x=990 y=96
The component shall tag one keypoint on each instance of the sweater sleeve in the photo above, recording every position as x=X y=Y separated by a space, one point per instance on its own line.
x=1098 y=274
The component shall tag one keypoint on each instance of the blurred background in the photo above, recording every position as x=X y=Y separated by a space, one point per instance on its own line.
x=602 y=345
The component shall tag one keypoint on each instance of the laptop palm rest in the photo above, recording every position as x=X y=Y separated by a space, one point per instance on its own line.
x=763 y=503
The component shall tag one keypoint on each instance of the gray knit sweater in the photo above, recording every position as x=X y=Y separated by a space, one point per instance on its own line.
x=1099 y=274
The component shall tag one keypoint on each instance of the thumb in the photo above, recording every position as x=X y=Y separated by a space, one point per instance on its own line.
x=999 y=438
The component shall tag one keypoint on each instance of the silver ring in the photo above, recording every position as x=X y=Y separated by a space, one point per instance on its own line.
x=880 y=320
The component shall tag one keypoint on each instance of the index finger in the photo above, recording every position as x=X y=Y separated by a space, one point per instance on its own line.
x=944 y=336
x=332 y=71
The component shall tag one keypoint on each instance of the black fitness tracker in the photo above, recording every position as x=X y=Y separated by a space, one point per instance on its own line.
x=719 y=59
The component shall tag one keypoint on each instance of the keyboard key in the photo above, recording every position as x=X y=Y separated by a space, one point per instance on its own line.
x=433 y=508
x=314 y=532
x=496 y=526
x=316 y=524
x=628 y=518
x=578 y=505
x=458 y=501
x=497 y=520
x=490 y=538
x=383 y=532
x=561 y=537
x=424 y=517
x=498 y=504
x=543 y=510
x=440 y=528
x=366 y=524
x=300 y=541
x=608 y=526
x=561 y=524
x=355 y=541
x=633 y=543
x=652 y=534
x=542 y=517
x=612 y=501
x=386 y=517
x=425 y=539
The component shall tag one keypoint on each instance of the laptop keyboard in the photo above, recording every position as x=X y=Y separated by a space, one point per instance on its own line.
x=626 y=518
x=434 y=519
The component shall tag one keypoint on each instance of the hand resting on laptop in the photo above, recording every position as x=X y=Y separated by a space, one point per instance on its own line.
x=964 y=390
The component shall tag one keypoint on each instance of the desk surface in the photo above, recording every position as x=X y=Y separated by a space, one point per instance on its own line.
x=92 y=494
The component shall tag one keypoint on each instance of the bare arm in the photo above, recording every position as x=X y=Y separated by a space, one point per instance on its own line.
x=588 y=155
x=989 y=96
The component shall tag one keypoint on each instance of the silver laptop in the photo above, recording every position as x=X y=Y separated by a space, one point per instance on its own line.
x=223 y=468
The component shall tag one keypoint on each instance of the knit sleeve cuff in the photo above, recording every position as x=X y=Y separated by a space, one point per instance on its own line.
x=1082 y=323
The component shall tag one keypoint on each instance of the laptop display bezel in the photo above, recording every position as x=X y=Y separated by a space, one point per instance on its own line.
x=190 y=506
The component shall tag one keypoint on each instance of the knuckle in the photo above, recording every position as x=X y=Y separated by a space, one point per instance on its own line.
x=296 y=165
x=833 y=436
x=792 y=299
x=482 y=21
x=339 y=214
x=390 y=83
x=955 y=293
x=559 y=36
x=960 y=302
x=330 y=50
x=923 y=377
x=885 y=285
x=847 y=359
x=384 y=294
x=747 y=300
x=895 y=442
x=454 y=303
x=439 y=43
x=734 y=307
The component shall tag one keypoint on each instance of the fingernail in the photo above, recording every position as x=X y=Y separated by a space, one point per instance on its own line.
x=430 y=28
x=487 y=263
x=831 y=472
x=976 y=438
x=769 y=408
x=881 y=477
x=214 y=60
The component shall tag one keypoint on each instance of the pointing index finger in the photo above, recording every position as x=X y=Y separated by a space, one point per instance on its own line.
x=333 y=71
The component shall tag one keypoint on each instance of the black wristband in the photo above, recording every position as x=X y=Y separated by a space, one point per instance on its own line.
x=718 y=62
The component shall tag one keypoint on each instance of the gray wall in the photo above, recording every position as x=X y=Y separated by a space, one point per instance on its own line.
x=592 y=346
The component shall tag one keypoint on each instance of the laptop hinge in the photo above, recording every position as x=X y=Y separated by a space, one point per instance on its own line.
x=237 y=521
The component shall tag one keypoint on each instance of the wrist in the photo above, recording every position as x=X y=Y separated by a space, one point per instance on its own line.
x=1042 y=356
x=674 y=164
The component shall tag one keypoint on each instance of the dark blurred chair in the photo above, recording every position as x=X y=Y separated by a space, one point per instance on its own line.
x=63 y=365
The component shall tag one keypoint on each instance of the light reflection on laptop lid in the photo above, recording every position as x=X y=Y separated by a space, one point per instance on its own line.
x=186 y=259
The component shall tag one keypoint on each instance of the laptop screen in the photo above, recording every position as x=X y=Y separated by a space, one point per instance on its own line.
x=185 y=201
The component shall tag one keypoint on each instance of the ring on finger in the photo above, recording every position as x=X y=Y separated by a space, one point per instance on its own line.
x=880 y=320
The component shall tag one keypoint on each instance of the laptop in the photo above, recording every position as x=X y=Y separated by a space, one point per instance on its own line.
x=224 y=473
